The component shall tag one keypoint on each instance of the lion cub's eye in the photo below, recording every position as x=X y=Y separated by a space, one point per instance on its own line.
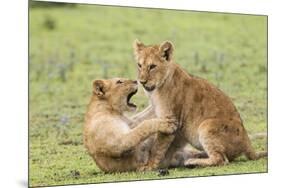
x=119 y=82
x=139 y=65
x=152 y=67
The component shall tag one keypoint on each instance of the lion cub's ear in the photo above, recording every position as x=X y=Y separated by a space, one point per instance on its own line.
x=166 y=50
x=99 y=87
x=138 y=46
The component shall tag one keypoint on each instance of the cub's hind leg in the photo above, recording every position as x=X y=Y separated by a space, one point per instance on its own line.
x=215 y=156
x=222 y=141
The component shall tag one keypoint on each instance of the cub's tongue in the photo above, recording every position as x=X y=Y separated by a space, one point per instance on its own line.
x=129 y=98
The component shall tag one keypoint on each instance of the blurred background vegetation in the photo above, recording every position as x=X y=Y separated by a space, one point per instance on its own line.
x=73 y=44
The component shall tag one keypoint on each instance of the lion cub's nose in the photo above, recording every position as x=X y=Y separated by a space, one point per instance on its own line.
x=143 y=82
x=135 y=82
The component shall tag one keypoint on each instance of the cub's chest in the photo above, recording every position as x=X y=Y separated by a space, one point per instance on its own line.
x=120 y=126
x=112 y=126
x=160 y=107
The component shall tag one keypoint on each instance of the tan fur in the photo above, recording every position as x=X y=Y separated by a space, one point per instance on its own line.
x=111 y=142
x=206 y=118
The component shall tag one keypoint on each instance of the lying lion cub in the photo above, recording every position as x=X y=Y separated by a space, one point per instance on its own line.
x=107 y=135
x=205 y=116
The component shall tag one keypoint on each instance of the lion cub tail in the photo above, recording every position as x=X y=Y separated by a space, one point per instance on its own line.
x=261 y=154
x=258 y=136
x=250 y=152
x=252 y=155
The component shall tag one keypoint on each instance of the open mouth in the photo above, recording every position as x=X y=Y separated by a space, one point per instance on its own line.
x=147 y=88
x=130 y=104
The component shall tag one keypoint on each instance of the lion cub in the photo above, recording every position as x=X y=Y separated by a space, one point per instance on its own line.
x=107 y=135
x=205 y=116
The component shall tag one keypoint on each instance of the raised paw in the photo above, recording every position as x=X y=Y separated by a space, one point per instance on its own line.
x=167 y=126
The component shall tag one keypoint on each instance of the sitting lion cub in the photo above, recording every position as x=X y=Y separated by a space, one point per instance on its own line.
x=107 y=135
x=205 y=116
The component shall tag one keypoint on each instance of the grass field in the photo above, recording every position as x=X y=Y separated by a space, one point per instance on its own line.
x=71 y=46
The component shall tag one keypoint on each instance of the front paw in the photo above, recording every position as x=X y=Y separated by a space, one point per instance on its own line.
x=167 y=126
x=145 y=168
x=151 y=165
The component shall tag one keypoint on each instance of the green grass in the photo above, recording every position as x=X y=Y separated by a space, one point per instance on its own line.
x=71 y=46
